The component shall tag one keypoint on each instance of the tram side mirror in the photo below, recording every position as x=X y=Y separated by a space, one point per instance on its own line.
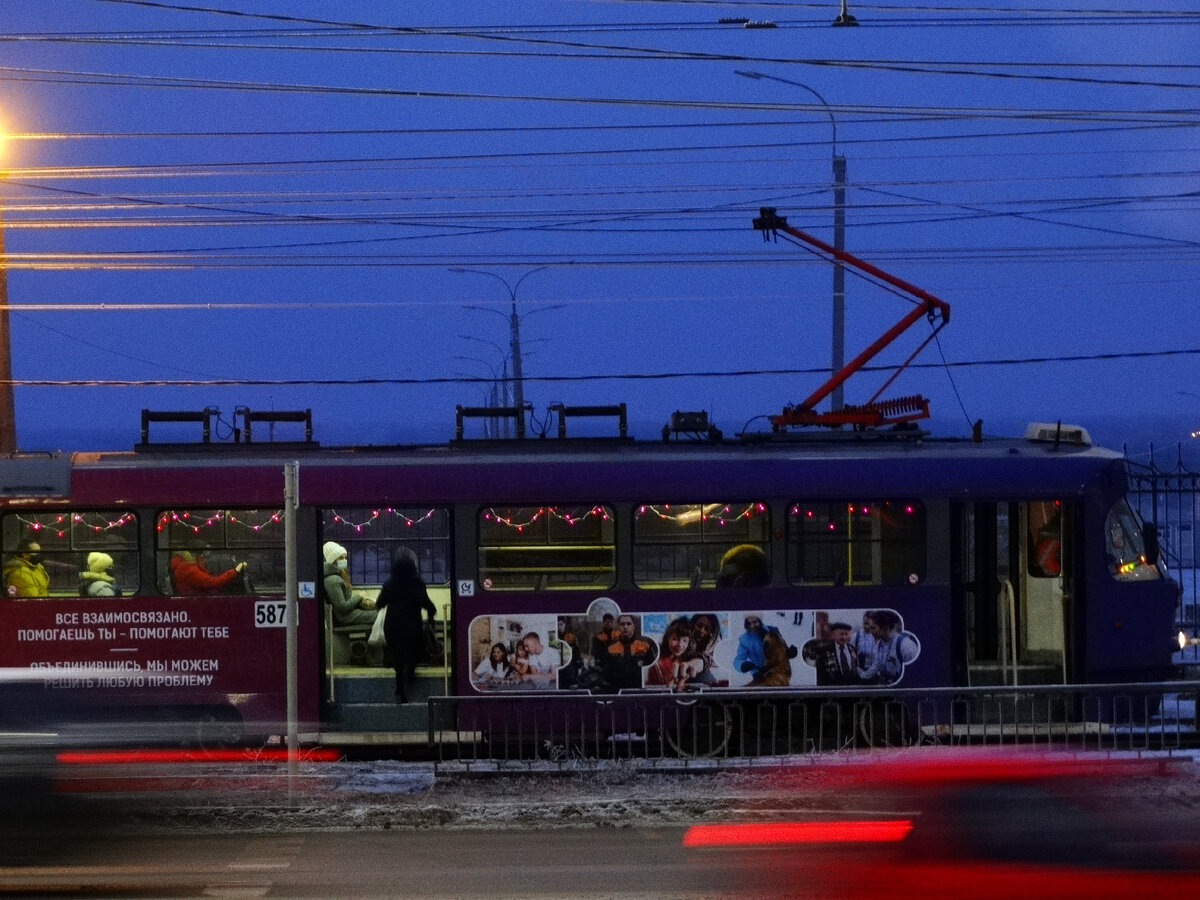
x=1150 y=538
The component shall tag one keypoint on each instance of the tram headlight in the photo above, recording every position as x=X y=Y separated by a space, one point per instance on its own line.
x=1185 y=641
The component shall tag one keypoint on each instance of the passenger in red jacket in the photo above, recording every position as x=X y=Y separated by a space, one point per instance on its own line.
x=190 y=577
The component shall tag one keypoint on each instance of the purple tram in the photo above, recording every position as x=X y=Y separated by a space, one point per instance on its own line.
x=581 y=566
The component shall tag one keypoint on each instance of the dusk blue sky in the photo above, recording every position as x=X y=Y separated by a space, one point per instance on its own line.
x=282 y=194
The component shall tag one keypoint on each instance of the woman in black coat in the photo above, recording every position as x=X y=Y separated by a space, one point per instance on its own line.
x=403 y=595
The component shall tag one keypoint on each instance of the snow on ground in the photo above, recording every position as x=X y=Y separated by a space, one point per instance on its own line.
x=404 y=795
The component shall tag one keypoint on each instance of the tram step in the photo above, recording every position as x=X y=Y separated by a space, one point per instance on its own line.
x=380 y=717
x=990 y=675
x=380 y=687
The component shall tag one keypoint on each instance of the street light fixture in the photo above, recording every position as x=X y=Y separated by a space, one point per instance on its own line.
x=500 y=350
x=838 y=355
x=514 y=328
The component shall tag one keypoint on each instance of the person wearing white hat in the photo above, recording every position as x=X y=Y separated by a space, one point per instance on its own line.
x=349 y=606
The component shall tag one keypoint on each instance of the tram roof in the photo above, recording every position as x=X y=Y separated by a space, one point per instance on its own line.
x=535 y=471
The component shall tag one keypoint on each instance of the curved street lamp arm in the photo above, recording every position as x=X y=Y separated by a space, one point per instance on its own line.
x=828 y=108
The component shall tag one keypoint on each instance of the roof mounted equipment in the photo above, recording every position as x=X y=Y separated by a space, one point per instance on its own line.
x=1057 y=433
x=875 y=412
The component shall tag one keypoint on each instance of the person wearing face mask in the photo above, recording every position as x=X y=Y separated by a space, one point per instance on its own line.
x=349 y=606
x=24 y=574
x=97 y=580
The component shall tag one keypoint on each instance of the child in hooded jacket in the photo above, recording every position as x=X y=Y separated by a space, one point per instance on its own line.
x=97 y=580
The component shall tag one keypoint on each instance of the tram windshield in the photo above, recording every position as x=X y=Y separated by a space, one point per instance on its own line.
x=1126 y=541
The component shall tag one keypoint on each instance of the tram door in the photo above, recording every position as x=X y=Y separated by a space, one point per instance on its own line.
x=1016 y=592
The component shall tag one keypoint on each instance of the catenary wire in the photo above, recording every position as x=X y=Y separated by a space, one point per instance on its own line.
x=600 y=376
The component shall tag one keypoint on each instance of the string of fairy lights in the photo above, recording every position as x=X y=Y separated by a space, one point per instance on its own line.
x=61 y=524
x=196 y=521
x=831 y=517
x=720 y=514
x=519 y=518
x=374 y=515
x=256 y=522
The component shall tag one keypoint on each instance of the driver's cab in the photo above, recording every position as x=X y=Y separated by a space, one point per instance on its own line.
x=1039 y=609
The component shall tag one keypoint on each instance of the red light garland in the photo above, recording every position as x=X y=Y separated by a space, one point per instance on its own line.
x=358 y=527
x=568 y=515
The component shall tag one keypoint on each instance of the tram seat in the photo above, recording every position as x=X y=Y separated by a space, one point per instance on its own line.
x=346 y=644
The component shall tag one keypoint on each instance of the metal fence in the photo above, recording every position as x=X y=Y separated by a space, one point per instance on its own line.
x=1170 y=498
x=554 y=730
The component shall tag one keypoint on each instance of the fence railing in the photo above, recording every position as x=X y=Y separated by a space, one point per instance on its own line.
x=712 y=728
x=1170 y=498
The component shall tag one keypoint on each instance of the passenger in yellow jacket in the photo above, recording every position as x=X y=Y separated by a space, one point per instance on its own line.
x=24 y=574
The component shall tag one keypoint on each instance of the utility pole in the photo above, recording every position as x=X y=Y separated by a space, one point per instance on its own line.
x=838 y=355
x=514 y=322
x=8 y=412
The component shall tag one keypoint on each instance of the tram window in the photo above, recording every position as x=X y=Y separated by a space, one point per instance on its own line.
x=1044 y=525
x=856 y=543
x=681 y=544
x=523 y=548
x=65 y=539
x=1126 y=545
x=371 y=536
x=224 y=538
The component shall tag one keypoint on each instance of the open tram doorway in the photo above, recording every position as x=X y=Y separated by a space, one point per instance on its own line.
x=1016 y=589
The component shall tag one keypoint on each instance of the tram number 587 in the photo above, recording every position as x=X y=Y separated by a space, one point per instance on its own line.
x=270 y=613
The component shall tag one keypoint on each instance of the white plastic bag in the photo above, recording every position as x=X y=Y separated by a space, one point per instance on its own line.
x=377 y=640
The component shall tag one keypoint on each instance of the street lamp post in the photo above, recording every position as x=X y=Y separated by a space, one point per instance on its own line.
x=492 y=427
x=514 y=321
x=502 y=378
x=838 y=354
x=8 y=412
x=498 y=395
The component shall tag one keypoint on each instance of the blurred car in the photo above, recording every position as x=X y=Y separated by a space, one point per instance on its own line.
x=970 y=824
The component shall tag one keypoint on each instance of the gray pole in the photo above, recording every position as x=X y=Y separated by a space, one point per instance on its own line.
x=8 y=410
x=504 y=395
x=839 y=274
x=518 y=374
x=291 y=500
x=838 y=356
